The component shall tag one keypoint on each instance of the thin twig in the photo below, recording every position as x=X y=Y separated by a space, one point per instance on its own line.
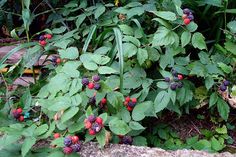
x=5 y=85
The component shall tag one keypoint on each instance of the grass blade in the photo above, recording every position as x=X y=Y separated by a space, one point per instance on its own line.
x=89 y=38
x=118 y=38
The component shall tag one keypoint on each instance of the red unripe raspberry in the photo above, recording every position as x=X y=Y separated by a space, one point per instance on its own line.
x=58 y=60
x=19 y=110
x=14 y=111
x=48 y=36
x=187 y=21
x=104 y=101
x=126 y=103
x=56 y=135
x=75 y=139
x=184 y=16
x=129 y=108
x=91 y=85
x=99 y=120
x=43 y=43
x=92 y=132
x=21 y=118
x=88 y=125
x=180 y=77
x=134 y=100
x=127 y=99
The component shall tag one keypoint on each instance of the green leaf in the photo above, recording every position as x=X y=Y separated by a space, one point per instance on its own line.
x=232 y=26
x=126 y=30
x=185 y=38
x=101 y=137
x=198 y=41
x=41 y=129
x=202 y=145
x=76 y=86
x=139 y=141
x=69 y=114
x=162 y=85
x=100 y=59
x=163 y=134
x=164 y=37
x=119 y=127
x=27 y=3
x=89 y=38
x=226 y=68
x=70 y=68
x=26 y=146
x=69 y=53
x=133 y=40
x=106 y=70
x=142 y=55
x=143 y=109
x=80 y=20
x=135 y=126
x=90 y=65
x=167 y=15
x=161 y=101
x=59 y=30
x=99 y=11
x=26 y=18
x=209 y=82
x=216 y=145
x=125 y=115
x=213 y=99
x=129 y=49
x=104 y=117
x=223 y=108
x=222 y=130
x=230 y=46
x=192 y=26
x=56 y=154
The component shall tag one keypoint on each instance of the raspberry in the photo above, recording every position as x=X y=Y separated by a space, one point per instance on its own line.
x=226 y=82
x=67 y=141
x=134 y=100
x=126 y=103
x=75 y=139
x=92 y=118
x=180 y=77
x=87 y=125
x=99 y=120
x=92 y=132
x=97 y=86
x=56 y=135
x=174 y=72
x=191 y=17
x=223 y=87
x=186 y=11
x=173 y=86
x=104 y=101
x=92 y=100
x=21 y=118
x=184 y=16
x=41 y=37
x=127 y=99
x=96 y=127
x=96 y=78
x=16 y=114
x=76 y=147
x=91 y=85
x=58 y=60
x=127 y=140
x=167 y=79
x=19 y=110
x=131 y=104
x=187 y=21
x=42 y=42
x=129 y=108
x=48 y=36
x=67 y=150
x=85 y=81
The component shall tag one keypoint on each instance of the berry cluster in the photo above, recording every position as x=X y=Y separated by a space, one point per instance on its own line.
x=94 y=84
x=176 y=81
x=224 y=85
x=125 y=140
x=130 y=103
x=72 y=144
x=42 y=39
x=187 y=16
x=17 y=114
x=56 y=60
x=93 y=124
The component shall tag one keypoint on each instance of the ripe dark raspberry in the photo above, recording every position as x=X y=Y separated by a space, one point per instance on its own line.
x=99 y=120
x=131 y=104
x=85 y=81
x=167 y=79
x=127 y=140
x=226 y=82
x=67 y=150
x=76 y=147
x=191 y=17
x=41 y=37
x=92 y=100
x=96 y=78
x=92 y=118
x=15 y=114
x=91 y=85
x=223 y=87
x=67 y=141
x=97 y=86
x=96 y=127
x=173 y=86
x=174 y=73
x=186 y=11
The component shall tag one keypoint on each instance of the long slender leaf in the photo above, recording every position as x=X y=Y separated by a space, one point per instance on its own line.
x=89 y=38
x=21 y=46
x=118 y=38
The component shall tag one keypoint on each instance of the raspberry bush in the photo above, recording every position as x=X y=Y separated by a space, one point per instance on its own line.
x=120 y=67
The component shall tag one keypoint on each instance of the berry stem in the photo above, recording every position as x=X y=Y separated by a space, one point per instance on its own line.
x=176 y=27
